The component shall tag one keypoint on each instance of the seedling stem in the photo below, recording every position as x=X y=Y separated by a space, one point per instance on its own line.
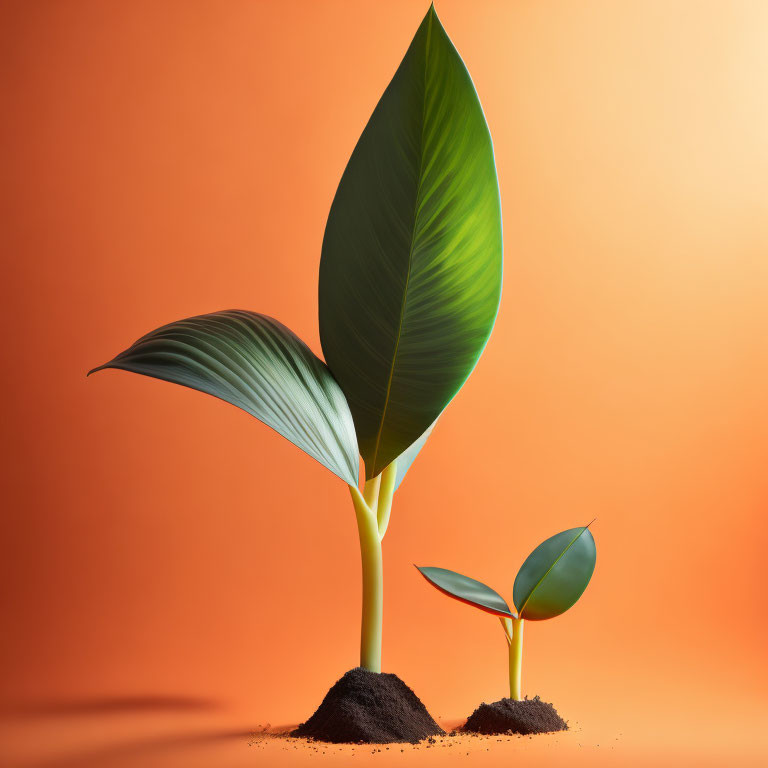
x=516 y=659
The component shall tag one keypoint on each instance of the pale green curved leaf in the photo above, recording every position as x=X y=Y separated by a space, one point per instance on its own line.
x=259 y=365
x=555 y=574
x=406 y=458
x=466 y=590
x=410 y=276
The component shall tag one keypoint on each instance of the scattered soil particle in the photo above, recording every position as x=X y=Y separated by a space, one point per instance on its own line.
x=510 y=716
x=370 y=708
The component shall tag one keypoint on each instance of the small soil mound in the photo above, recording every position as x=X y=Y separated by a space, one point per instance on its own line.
x=370 y=708
x=510 y=716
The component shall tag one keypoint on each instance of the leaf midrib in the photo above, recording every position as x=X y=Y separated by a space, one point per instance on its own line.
x=387 y=396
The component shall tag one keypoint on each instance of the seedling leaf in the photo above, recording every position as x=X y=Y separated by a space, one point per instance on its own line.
x=467 y=590
x=555 y=574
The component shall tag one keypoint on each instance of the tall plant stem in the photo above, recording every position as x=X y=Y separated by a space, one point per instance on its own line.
x=376 y=496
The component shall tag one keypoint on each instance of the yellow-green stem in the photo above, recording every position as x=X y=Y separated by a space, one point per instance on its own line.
x=515 y=659
x=371 y=492
x=373 y=578
x=386 y=491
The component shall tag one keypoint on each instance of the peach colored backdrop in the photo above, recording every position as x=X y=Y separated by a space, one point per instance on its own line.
x=165 y=159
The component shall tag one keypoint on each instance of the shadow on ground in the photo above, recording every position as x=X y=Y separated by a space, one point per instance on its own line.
x=110 y=705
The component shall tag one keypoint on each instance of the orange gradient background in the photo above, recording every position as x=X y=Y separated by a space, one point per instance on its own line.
x=168 y=556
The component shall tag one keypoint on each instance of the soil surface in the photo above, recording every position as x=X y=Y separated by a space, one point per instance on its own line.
x=510 y=716
x=370 y=708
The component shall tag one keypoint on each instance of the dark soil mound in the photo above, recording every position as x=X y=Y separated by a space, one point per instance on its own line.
x=510 y=716
x=372 y=708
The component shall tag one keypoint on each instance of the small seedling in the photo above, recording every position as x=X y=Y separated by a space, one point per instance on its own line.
x=550 y=581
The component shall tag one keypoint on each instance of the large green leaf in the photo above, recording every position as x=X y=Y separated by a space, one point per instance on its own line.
x=555 y=574
x=410 y=276
x=259 y=365
x=407 y=457
x=466 y=590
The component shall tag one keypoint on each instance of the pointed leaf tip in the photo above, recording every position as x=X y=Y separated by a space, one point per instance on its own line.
x=98 y=368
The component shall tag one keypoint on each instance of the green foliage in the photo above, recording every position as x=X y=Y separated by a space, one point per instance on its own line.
x=410 y=276
x=552 y=578
x=466 y=590
x=410 y=281
x=257 y=364
x=555 y=575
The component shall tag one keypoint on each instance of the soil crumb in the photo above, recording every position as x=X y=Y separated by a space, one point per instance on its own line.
x=369 y=708
x=510 y=716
